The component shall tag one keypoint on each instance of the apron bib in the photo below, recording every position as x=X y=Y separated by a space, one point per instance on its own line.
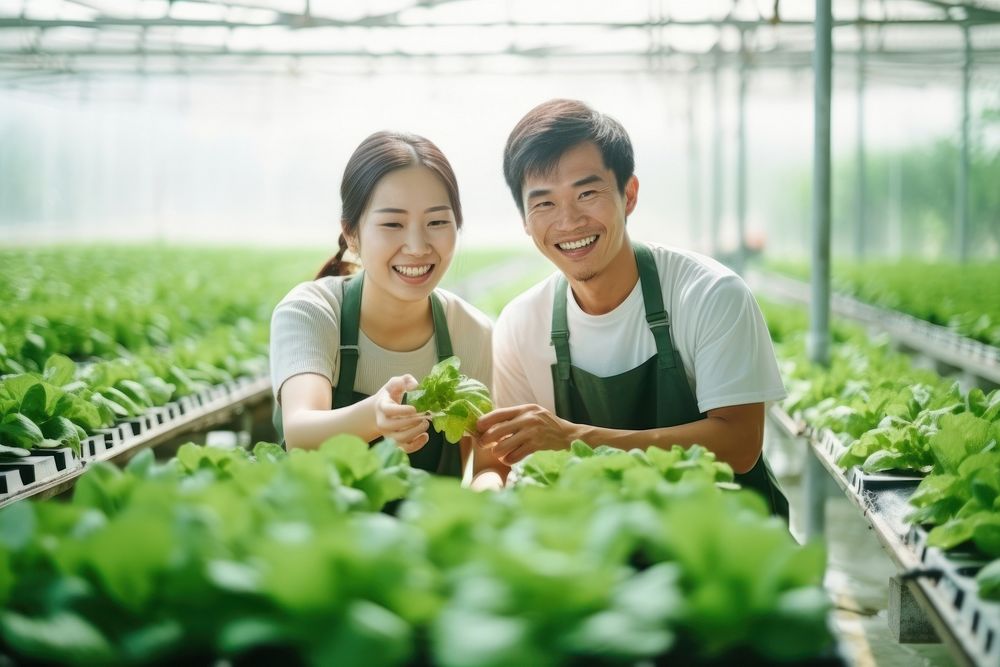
x=437 y=456
x=655 y=394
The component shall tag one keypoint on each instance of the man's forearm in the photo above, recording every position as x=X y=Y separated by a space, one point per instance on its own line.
x=733 y=442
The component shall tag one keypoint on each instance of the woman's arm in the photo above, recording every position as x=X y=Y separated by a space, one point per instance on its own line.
x=488 y=471
x=309 y=421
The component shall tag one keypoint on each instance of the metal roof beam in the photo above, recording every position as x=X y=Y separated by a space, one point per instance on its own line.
x=540 y=52
x=298 y=21
x=972 y=9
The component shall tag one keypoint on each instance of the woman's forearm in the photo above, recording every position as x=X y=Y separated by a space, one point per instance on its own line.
x=308 y=429
x=488 y=472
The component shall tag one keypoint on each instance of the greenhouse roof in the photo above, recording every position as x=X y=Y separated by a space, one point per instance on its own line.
x=189 y=36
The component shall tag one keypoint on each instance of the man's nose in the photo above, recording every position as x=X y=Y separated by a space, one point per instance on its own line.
x=570 y=216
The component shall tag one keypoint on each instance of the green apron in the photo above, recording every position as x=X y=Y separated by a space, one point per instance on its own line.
x=653 y=395
x=436 y=456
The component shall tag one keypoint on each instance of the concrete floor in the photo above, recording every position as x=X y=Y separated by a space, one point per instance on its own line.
x=858 y=572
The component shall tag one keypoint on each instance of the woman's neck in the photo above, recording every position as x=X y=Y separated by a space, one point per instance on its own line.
x=392 y=324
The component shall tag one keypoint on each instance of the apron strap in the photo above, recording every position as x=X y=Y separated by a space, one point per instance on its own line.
x=442 y=339
x=350 y=322
x=560 y=329
x=652 y=298
x=560 y=340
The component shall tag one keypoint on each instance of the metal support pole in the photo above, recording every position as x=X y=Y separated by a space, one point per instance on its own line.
x=694 y=168
x=741 y=163
x=861 y=222
x=962 y=191
x=819 y=315
x=717 y=184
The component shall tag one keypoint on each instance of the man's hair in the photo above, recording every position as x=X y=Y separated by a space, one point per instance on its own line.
x=540 y=139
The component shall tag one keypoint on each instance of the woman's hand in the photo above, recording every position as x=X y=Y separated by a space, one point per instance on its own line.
x=402 y=423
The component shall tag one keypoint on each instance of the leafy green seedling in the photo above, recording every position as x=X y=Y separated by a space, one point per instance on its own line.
x=453 y=401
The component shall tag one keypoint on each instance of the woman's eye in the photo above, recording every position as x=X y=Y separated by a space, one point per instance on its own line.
x=392 y=225
x=438 y=223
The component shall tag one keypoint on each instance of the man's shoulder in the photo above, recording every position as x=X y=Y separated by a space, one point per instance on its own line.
x=530 y=305
x=688 y=263
x=692 y=277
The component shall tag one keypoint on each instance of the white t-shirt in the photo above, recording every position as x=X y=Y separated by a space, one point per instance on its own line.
x=715 y=324
x=305 y=338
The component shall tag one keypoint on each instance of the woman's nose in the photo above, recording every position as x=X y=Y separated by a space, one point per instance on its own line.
x=416 y=241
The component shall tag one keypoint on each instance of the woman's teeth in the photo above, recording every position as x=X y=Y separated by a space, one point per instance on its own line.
x=413 y=271
x=576 y=245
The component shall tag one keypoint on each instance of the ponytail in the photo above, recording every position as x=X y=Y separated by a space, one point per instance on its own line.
x=336 y=265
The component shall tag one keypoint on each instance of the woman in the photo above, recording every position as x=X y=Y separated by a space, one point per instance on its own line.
x=354 y=341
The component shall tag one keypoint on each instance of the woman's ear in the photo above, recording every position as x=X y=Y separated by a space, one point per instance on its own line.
x=351 y=239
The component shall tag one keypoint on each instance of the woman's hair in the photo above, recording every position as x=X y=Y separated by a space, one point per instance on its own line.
x=378 y=155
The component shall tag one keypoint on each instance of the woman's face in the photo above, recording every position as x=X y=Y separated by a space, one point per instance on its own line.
x=406 y=237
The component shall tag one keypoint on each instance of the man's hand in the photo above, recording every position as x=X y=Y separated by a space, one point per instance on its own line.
x=513 y=433
x=402 y=423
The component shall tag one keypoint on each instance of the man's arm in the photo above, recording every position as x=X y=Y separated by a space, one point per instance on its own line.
x=734 y=433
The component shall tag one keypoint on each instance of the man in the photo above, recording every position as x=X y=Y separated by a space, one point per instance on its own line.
x=629 y=344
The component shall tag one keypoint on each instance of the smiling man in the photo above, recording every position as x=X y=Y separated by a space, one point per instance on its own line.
x=629 y=344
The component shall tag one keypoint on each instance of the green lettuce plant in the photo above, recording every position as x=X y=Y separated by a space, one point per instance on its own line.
x=455 y=402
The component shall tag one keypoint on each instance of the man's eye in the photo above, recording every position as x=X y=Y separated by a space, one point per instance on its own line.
x=588 y=193
x=543 y=204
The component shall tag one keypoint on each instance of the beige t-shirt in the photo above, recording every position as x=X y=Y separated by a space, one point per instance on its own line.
x=305 y=338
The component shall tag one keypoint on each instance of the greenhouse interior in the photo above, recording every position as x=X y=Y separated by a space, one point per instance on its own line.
x=338 y=333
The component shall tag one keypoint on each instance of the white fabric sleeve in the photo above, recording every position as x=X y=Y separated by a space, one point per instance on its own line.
x=734 y=359
x=301 y=332
x=510 y=382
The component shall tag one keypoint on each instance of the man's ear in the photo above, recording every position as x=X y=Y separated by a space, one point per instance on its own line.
x=631 y=194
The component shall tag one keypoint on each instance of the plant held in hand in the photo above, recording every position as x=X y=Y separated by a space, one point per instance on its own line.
x=454 y=402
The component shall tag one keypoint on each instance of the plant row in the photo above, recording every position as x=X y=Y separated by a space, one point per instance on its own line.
x=894 y=418
x=957 y=296
x=346 y=555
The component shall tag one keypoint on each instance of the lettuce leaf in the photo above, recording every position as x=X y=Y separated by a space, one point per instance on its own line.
x=455 y=402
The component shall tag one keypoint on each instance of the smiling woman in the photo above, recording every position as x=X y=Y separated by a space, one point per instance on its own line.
x=345 y=346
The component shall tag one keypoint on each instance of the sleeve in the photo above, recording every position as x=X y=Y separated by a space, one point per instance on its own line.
x=300 y=335
x=734 y=359
x=510 y=381
x=474 y=342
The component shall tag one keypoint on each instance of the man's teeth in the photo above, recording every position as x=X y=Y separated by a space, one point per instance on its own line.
x=576 y=245
x=413 y=271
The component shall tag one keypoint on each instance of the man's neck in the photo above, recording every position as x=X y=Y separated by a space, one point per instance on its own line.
x=609 y=288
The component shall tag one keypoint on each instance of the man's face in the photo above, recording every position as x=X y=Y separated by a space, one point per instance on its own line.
x=576 y=215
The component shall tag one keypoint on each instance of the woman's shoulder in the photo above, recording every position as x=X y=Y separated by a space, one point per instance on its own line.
x=461 y=313
x=323 y=293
